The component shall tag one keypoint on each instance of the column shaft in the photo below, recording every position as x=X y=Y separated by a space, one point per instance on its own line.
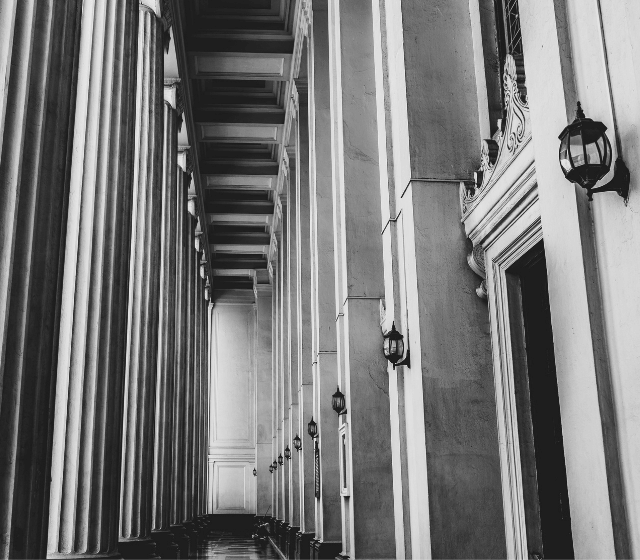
x=86 y=462
x=169 y=238
x=38 y=58
x=142 y=329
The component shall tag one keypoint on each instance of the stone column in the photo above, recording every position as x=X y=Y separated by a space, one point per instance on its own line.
x=285 y=368
x=327 y=527
x=183 y=250
x=304 y=463
x=264 y=435
x=444 y=323
x=142 y=324
x=38 y=53
x=169 y=236
x=87 y=430
x=197 y=390
x=360 y=285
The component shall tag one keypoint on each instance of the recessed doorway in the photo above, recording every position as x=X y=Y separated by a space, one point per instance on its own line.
x=542 y=461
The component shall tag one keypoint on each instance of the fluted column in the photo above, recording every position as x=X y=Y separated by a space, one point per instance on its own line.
x=86 y=462
x=38 y=51
x=193 y=266
x=183 y=250
x=142 y=329
x=169 y=235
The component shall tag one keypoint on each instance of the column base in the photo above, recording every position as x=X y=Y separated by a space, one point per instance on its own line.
x=284 y=537
x=292 y=531
x=182 y=539
x=323 y=550
x=342 y=557
x=303 y=545
x=84 y=555
x=166 y=546
x=137 y=548
x=192 y=533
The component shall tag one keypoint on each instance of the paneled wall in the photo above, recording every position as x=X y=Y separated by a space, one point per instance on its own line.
x=232 y=440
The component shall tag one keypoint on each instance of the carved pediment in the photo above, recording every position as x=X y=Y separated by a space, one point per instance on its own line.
x=498 y=152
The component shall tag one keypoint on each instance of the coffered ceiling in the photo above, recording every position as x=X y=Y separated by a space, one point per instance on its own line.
x=236 y=56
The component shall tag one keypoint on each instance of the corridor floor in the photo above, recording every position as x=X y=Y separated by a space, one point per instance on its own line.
x=227 y=547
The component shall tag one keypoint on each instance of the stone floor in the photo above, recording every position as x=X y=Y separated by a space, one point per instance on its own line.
x=227 y=547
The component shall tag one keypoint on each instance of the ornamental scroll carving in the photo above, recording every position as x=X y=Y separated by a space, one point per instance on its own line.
x=497 y=152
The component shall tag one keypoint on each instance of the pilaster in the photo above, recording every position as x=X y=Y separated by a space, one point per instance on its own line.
x=87 y=430
x=327 y=526
x=359 y=285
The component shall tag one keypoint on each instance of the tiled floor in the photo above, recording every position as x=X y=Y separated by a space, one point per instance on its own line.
x=235 y=548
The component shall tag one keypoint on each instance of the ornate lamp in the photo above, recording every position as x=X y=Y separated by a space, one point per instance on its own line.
x=312 y=428
x=274 y=465
x=255 y=472
x=585 y=157
x=287 y=452
x=191 y=205
x=203 y=270
x=280 y=459
x=297 y=443
x=393 y=346
x=271 y=469
x=338 y=402
x=207 y=291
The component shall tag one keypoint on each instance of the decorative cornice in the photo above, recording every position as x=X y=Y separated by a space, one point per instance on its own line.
x=498 y=152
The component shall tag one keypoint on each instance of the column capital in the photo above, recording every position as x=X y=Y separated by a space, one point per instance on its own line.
x=155 y=5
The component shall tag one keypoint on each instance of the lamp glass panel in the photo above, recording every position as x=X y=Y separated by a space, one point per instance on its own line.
x=565 y=158
x=575 y=148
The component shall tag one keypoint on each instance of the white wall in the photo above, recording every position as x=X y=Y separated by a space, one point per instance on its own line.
x=232 y=443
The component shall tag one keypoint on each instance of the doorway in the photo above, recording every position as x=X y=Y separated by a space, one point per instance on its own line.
x=544 y=478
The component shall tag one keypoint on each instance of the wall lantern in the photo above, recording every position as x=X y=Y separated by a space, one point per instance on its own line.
x=287 y=452
x=312 y=428
x=280 y=459
x=585 y=157
x=203 y=270
x=197 y=242
x=274 y=465
x=271 y=469
x=297 y=443
x=393 y=347
x=338 y=402
x=255 y=472
x=207 y=290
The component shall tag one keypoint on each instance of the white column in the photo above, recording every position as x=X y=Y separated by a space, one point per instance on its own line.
x=37 y=56
x=144 y=284
x=87 y=430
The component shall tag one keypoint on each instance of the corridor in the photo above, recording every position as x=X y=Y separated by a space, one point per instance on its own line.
x=227 y=547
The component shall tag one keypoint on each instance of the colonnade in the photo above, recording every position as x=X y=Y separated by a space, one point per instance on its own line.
x=105 y=316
